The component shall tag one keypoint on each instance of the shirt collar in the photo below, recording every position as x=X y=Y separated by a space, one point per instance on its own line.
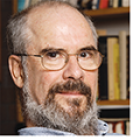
x=102 y=126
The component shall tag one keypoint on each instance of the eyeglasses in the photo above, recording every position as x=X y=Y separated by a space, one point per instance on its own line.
x=88 y=58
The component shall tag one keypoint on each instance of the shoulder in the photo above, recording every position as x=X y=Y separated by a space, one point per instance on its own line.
x=104 y=129
x=114 y=134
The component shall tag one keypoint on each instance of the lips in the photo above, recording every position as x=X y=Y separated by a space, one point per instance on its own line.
x=71 y=93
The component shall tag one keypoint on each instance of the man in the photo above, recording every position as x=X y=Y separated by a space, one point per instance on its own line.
x=54 y=60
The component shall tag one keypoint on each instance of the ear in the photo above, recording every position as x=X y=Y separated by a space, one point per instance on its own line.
x=16 y=70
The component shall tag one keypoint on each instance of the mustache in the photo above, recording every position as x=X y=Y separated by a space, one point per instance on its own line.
x=71 y=85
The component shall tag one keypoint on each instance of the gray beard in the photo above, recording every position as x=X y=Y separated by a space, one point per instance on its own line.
x=52 y=116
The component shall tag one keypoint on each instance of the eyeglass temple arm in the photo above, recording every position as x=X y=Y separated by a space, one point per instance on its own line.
x=28 y=55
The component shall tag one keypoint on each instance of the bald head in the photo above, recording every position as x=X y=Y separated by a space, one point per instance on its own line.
x=23 y=28
x=50 y=25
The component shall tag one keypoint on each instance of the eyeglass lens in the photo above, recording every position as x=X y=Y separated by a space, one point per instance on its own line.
x=56 y=59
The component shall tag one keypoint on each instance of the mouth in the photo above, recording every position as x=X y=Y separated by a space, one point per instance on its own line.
x=71 y=93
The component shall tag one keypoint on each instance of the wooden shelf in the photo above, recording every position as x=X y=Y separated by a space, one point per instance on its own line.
x=113 y=102
x=15 y=6
x=107 y=12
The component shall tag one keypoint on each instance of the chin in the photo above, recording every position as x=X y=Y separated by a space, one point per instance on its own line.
x=73 y=106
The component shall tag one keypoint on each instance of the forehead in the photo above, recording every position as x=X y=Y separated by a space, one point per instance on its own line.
x=60 y=27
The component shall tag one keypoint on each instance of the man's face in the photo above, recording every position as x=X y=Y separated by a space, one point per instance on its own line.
x=61 y=29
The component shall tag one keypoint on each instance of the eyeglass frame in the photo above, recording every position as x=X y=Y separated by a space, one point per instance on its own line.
x=67 y=56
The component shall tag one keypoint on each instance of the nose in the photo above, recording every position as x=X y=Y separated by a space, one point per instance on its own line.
x=72 y=70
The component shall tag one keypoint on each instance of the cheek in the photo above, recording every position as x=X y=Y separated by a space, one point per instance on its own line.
x=50 y=78
x=46 y=80
x=40 y=81
x=92 y=81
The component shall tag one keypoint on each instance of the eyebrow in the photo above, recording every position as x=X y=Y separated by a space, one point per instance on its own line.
x=49 y=49
x=88 y=48
x=60 y=49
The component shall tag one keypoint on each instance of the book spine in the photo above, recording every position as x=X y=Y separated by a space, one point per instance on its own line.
x=110 y=125
x=120 y=3
x=123 y=65
x=103 y=75
x=94 y=4
x=119 y=127
x=21 y=4
x=127 y=127
x=110 y=45
x=26 y=5
x=33 y=2
x=110 y=3
x=98 y=3
x=128 y=67
x=103 y=4
x=125 y=3
x=73 y=3
x=115 y=3
x=116 y=71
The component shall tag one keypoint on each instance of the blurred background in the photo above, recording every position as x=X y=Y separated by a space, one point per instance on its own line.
x=111 y=18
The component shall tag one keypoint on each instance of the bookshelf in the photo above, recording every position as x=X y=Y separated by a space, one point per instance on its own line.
x=115 y=112
x=108 y=12
x=113 y=102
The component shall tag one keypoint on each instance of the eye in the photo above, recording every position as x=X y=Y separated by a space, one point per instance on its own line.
x=53 y=54
x=85 y=54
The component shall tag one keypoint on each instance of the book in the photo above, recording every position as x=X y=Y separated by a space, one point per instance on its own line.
x=110 y=3
x=89 y=5
x=125 y=3
x=94 y=4
x=116 y=69
x=127 y=128
x=116 y=61
x=98 y=3
x=123 y=65
x=120 y=3
x=111 y=44
x=26 y=4
x=73 y=3
x=114 y=72
x=21 y=4
x=118 y=125
x=128 y=67
x=115 y=3
x=103 y=75
x=103 y=4
x=86 y=4
x=33 y=2
x=104 y=72
x=110 y=125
